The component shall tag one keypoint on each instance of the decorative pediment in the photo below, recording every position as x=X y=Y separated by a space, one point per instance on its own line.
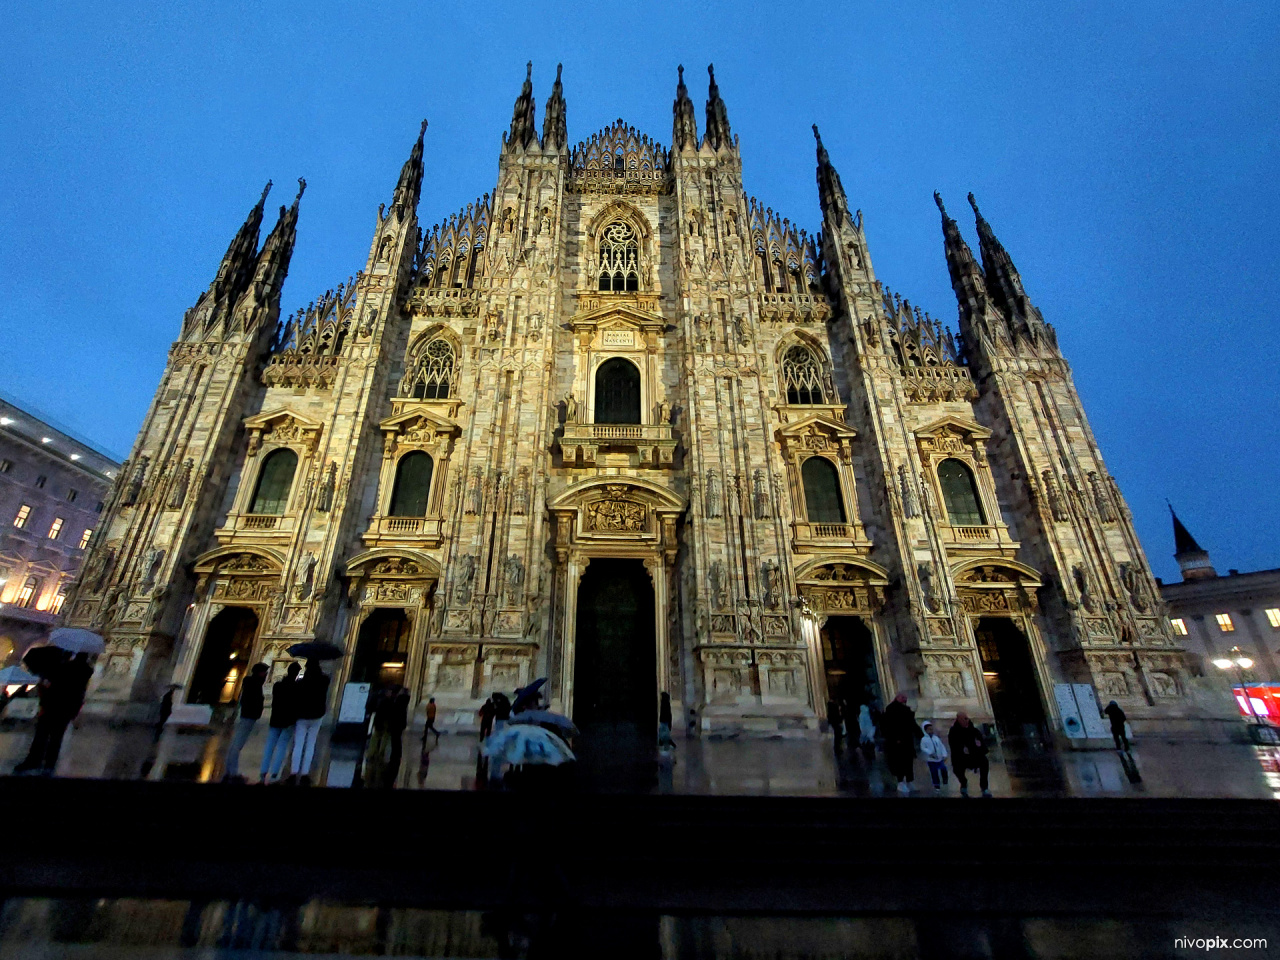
x=817 y=433
x=602 y=314
x=616 y=508
x=390 y=563
x=842 y=569
x=282 y=426
x=994 y=573
x=417 y=425
x=842 y=585
x=255 y=561
x=952 y=425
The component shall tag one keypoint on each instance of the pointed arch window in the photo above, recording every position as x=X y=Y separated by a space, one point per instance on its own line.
x=434 y=371
x=274 y=482
x=617 y=392
x=802 y=377
x=412 y=488
x=619 y=258
x=822 y=500
x=960 y=494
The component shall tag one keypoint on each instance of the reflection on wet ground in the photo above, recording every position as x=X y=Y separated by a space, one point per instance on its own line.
x=754 y=767
x=186 y=930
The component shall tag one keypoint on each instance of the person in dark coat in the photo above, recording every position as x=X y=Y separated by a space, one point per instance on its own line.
x=312 y=702
x=900 y=732
x=835 y=718
x=968 y=752
x=252 y=702
x=280 y=726
x=665 y=742
x=1117 y=718
x=487 y=711
x=61 y=697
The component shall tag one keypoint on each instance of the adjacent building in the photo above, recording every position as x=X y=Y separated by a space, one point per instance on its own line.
x=619 y=424
x=52 y=492
x=1214 y=615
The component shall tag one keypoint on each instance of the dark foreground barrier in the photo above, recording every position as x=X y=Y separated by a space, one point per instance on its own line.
x=423 y=849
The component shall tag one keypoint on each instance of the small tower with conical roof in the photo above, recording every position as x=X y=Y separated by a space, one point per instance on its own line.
x=1192 y=558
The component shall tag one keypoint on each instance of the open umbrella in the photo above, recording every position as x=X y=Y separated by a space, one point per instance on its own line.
x=527 y=744
x=76 y=640
x=557 y=723
x=16 y=675
x=316 y=650
x=525 y=696
x=44 y=660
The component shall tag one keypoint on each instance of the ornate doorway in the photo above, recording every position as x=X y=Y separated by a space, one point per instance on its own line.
x=382 y=651
x=224 y=658
x=1010 y=677
x=615 y=702
x=849 y=658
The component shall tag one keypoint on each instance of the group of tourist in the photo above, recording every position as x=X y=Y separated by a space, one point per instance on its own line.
x=298 y=705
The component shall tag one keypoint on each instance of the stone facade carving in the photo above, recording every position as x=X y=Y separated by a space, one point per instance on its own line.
x=759 y=442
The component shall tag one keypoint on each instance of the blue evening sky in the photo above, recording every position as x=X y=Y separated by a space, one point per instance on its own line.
x=1124 y=152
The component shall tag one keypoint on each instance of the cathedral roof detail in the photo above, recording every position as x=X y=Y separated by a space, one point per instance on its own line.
x=619 y=159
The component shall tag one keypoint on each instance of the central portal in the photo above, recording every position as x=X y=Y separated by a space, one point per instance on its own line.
x=615 y=695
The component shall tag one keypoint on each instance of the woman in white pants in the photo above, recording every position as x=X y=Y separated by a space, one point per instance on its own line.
x=312 y=699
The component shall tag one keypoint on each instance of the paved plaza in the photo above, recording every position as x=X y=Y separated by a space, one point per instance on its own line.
x=702 y=766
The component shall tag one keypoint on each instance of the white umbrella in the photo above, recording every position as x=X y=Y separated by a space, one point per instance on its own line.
x=526 y=744
x=76 y=640
x=10 y=676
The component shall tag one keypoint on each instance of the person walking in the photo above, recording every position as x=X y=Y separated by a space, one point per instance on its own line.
x=835 y=719
x=61 y=697
x=900 y=734
x=1117 y=718
x=280 y=725
x=866 y=733
x=252 y=702
x=312 y=701
x=968 y=752
x=665 y=741
x=934 y=752
x=487 y=710
x=431 y=715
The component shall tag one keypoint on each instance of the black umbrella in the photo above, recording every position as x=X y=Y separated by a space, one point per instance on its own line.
x=44 y=660
x=527 y=695
x=316 y=650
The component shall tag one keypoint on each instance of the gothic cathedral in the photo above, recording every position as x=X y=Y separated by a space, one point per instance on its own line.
x=618 y=425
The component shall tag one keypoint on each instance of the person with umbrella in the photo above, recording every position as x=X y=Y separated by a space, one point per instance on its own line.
x=61 y=696
x=310 y=703
x=252 y=703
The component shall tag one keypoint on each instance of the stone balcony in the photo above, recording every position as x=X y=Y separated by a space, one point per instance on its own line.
x=404 y=531
x=794 y=308
x=252 y=526
x=650 y=444
x=445 y=301
x=980 y=539
x=811 y=537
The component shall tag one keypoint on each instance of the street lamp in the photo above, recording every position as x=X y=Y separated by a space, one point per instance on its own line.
x=1239 y=663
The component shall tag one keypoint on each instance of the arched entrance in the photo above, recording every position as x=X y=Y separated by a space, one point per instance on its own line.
x=849 y=660
x=615 y=694
x=382 y=652
x=1010 y=677
x=224 y=658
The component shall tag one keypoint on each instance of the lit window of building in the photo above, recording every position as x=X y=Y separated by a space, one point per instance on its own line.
x=71 y=495
x=1179 y=626
x=59 y=598
x=41 y=481
x=28 y=591
x=24 y=512
x=6 y=466
x=55 y=528
x=1273 y=616
x=1224 y=622
x=84 y=537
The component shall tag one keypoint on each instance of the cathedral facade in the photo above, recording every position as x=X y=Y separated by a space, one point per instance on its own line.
x=618 y=425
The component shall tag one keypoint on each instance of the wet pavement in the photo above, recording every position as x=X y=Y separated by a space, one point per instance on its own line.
x=706 y=766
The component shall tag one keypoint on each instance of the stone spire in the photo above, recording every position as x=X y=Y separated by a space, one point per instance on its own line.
x=237 y=262
x=1192 y=558
x=555 y=128
x=684 y=127
x=277 y=251
x=1004 y=283
x=409 y=187
x=523 y=123
x=718 y=135
x=966 y=276
x=831 y=193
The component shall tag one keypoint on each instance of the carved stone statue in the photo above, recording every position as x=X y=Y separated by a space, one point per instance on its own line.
x=178 y=495
x=664 y=412
x=325 y=501
x=151 y=568
x=134 y=490
x=719 y=587
x=910 y=503
x=713 y=494
x=304 y=578
x=570 y=409
x=514 y=580
x=462 y=579
x=1102 y=499
x=760 y=495
x=1083 y=587
x=925 y=572
x=772 y=578
x=1057 y=506
x=475 y=495
x=521 y=505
